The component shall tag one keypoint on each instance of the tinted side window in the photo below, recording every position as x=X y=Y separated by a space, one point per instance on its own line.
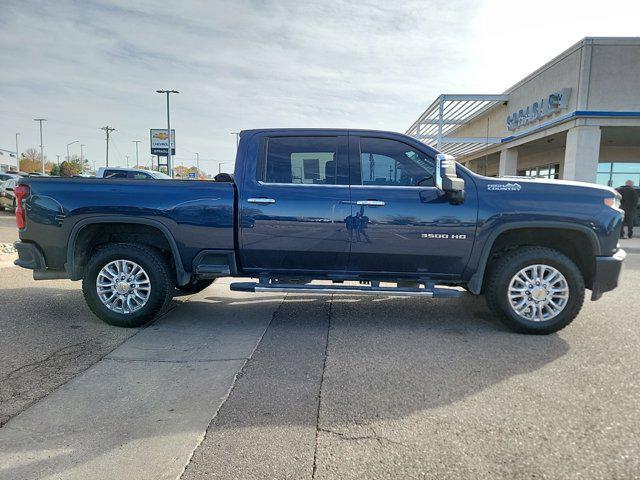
x=303 y=160
x=139 y=176
x=114 y=174
x=392 y=163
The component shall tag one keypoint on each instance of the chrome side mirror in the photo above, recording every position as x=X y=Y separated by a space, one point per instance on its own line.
x=448 y=180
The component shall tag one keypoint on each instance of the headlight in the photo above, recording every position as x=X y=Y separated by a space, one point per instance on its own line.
x=613 y=202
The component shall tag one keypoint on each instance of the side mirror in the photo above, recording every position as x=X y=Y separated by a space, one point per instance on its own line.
x=448 y=180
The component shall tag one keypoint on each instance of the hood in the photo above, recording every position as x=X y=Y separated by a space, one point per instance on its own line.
x=518 y=183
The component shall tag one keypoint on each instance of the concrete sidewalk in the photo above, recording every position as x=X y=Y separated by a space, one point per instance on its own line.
x=631 y=245
x=142 y=410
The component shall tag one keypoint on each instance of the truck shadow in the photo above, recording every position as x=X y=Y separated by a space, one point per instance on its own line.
x=386 y=358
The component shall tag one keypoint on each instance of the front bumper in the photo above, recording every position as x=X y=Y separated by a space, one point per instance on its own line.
x=607 y=273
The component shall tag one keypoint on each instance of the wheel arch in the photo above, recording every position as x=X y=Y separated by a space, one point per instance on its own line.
x=75 y=268
x=538 y=234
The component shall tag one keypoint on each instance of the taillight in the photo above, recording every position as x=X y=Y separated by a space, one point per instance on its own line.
x=20 y=191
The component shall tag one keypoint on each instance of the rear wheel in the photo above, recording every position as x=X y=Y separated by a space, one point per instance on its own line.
x=127 y=284
x=535 y=290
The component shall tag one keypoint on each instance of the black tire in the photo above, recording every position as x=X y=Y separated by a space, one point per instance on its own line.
x=157 y=269
x=195 y=286
x=499 y=278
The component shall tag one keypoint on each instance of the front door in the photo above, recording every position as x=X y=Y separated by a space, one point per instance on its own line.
x=293 y=210
x=402 y=224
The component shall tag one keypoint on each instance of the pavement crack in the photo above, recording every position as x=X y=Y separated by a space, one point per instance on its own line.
x=375 y=437
x=324 y=366
x=64 y=351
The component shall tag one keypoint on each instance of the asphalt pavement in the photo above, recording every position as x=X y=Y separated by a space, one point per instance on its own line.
x=240 y=386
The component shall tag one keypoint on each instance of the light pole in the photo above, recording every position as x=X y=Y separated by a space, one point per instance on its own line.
x=169 y=162
x=127 y=157
x=198 y=163
x=40 y=120
x=17 y=154
x=108 y=131
x=82 y=153
x=137 y=159
x=71 y=143
x=220 y=167
x=58 y=156
x=237 y=134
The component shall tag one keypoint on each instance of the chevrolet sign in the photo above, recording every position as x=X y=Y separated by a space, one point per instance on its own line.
x=540 y=109
x=160 y=141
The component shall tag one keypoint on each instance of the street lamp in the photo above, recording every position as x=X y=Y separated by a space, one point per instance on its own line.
x=68 y=157
x=198 y=163
x=40 y=120
x=82 y=154
x=220 y=167
x=17 y=154
x=137 y=159
x=237 y=134
x=169 y=162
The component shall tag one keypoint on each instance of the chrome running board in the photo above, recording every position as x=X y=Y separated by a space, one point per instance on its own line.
x=344 y=290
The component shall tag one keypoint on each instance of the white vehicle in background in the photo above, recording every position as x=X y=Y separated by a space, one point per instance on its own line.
x=130 y=173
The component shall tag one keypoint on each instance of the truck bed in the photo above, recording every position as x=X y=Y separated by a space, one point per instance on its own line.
x=199 y=215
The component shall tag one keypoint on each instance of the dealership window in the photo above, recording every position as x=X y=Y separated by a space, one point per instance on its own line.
x=391 y=163
x=551 y=170
x=614 y=174
x=301 y=160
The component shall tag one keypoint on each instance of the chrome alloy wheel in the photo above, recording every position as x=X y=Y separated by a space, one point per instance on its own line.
x=123 y=286
x=538 y=293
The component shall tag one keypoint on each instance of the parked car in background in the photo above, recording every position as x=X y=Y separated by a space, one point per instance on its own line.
x=130 y=174
x=9 y=175
x=7 y=197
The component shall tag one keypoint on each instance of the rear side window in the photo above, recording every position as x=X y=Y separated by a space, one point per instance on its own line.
x=388 y=162
x=139 y=176
x=301 y=160
x=115 y=174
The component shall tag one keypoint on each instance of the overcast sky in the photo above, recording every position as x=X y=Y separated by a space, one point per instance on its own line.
x=251 y=64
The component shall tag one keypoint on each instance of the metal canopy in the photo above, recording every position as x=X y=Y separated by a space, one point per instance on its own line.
x=438 y=123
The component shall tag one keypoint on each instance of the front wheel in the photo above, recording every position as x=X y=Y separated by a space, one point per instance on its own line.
x=535 y=290
x=127 y=284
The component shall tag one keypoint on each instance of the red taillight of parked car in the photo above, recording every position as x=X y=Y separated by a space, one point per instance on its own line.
x=20 y=191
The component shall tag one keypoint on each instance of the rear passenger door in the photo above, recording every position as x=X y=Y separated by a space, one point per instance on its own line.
x=294 y=206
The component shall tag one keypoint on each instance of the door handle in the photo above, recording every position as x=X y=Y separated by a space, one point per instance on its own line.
x=261 y=200
x=371 y=203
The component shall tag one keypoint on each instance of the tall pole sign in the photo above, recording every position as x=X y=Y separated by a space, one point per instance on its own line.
x=168 y=131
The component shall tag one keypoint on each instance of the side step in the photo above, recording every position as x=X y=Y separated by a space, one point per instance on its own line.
x=344 y=289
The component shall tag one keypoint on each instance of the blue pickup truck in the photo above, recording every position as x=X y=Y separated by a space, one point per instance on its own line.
x=328 y=211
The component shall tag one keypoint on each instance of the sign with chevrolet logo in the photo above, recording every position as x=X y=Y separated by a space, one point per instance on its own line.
x=540 y=109
x=160 y=142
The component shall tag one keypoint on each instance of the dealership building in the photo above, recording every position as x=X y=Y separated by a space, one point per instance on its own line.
x=575 y=118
